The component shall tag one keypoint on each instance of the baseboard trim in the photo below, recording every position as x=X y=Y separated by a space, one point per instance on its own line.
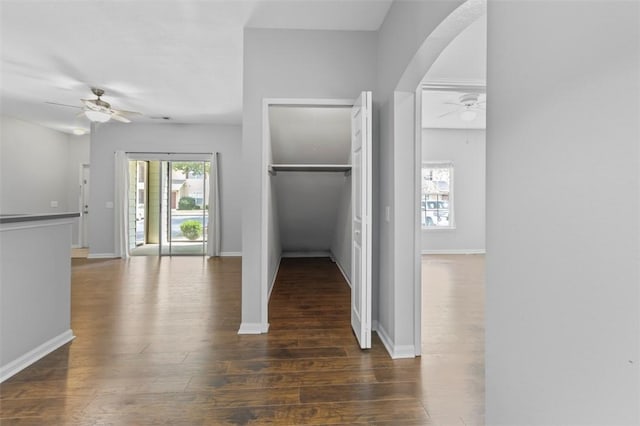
x=395 y=351
x=273 y=280
x=455 y=251
x=306 y=254
x=253 y=328
x=102 y=256
x=19 y=364
x=341 y=270
x=231 y=254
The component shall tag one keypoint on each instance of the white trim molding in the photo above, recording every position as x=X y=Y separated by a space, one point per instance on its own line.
x=306 y=254
x=454 y=251
x=35 y=354
x=273 y=279
x=231 y=254
x=395 y=351
x=253 y=328
x=344 y=275
x=102 y=256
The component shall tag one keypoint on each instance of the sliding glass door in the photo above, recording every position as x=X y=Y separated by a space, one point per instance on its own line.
x=184 y=208
x=168 y=207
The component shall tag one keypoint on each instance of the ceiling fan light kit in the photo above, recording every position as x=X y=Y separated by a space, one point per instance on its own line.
x=97 y=116
x=468 y=115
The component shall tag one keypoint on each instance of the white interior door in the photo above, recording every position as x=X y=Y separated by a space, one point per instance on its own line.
x=361 y=208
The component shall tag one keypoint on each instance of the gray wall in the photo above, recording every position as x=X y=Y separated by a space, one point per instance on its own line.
x=106 y=139
x=34 y=168
x=308 y=209
x=563 y=237
x=466 y=149
x=39 y=165
x=35 y=277
x=401 y=67
x=289 y=64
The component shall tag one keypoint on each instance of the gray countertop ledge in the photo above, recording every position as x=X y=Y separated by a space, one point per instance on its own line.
x=13 y=218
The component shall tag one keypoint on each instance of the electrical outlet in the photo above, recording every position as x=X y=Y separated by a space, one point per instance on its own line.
x=54 y=204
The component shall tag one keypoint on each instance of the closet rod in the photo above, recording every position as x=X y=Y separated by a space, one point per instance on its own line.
x=342 y=168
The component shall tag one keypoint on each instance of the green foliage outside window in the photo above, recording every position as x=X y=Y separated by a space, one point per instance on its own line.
x=192 y=229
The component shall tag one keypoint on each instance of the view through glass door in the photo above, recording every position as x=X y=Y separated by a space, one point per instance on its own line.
x=185 y=208
x=171 y=207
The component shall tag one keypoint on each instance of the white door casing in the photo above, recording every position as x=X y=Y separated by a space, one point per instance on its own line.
x=361 y=181
x=84 y=205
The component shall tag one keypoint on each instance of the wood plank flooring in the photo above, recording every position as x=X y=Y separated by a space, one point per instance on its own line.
x=157 y=343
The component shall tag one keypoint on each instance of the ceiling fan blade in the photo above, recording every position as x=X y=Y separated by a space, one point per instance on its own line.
x=120 y=118
x=453 y=103
x=64 y=105
x=124 y=112
x=447 y=113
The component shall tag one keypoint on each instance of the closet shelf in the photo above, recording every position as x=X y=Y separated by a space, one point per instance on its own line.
x=275 y=168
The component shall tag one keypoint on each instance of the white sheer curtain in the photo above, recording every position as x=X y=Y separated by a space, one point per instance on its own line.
x=213 y=229
x=121 y=204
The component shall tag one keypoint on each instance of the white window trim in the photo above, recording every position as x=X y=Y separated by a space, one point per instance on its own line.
x=452 y=211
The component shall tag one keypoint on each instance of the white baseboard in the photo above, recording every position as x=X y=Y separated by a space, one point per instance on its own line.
x=395 y=351
x=231 y=254
x=273 y=280
x=306 y=254
x=346 y=278
x=33 y=355
x=253 y=328
x=455 y=251
x=102 y=256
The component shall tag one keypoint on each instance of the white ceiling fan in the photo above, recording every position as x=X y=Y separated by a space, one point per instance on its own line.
x=99 y=110
x=468 y=106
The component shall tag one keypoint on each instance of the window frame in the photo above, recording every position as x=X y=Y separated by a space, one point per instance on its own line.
x=440 y=165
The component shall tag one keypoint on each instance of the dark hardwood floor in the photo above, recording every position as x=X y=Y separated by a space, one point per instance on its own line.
x=157 y=343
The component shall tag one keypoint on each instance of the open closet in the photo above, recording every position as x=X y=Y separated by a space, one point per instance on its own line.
x=318 y=193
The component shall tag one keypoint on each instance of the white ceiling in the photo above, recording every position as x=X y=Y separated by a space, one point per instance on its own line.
x=181 y=59
x=461 y=69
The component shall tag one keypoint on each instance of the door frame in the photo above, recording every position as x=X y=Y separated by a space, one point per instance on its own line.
x=267 y=281
x=165 y=156
x=83 y=223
